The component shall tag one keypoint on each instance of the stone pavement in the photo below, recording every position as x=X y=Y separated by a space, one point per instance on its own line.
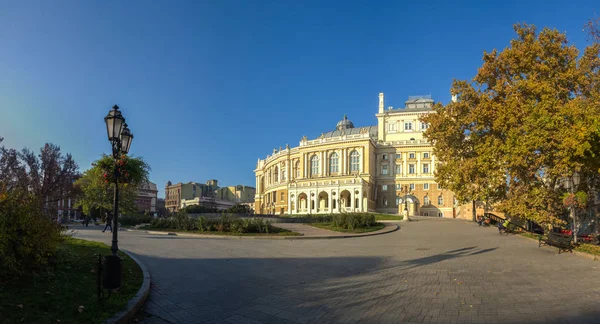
x=430 y=271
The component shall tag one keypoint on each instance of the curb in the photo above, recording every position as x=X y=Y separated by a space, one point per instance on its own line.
x=387 y=229
x=135 y=303
x=583 y=254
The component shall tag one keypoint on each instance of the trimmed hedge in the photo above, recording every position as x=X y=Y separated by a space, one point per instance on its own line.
x=132 y=220
x=183 y=222
x=344 y=220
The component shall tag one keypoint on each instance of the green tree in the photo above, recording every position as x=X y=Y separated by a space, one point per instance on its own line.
x=97 y=189
x=525 y=123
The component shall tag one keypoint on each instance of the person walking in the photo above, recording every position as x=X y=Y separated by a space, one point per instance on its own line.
x=108 y=223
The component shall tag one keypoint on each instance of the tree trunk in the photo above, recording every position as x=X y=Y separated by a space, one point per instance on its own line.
x=474 y=212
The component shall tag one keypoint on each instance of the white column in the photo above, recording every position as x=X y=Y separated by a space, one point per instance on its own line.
x=352 y=197
x=418 y=166
x=342 y=160
x=322 y=164
x=360 y=200
x=288 y=170
x=304 y=174
x=362 y=160
x=290 y=202
x=405 y=163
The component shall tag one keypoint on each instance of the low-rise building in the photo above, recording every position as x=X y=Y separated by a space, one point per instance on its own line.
x=146 y=198
x=175 y=193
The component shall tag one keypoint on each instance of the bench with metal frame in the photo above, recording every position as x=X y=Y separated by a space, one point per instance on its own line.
x=563 y=242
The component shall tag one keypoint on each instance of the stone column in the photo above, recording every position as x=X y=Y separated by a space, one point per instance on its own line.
x=405 y=164
x=352 y=197
x=360 y=200
x=322 y=164
x=362 y=160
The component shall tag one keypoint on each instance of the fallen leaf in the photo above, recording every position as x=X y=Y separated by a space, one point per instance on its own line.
x=20 y=306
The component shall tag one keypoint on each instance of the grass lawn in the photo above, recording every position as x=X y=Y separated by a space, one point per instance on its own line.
x=276 y=231
x=583 y=247
x=388 y=217
x=330 y=227
x=66 y=291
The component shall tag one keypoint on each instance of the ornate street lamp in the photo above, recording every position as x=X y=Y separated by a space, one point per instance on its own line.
x=406 y=191
x=120 y=138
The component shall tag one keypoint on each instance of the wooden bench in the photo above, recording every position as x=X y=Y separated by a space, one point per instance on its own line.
x=563 y=242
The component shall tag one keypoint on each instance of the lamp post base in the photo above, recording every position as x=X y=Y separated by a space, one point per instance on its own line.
x=111 y=275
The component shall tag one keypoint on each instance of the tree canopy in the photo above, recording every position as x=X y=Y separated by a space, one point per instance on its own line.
x=96 y=192
x=528 y=119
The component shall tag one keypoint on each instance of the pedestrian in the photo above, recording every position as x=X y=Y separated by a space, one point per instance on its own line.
x=108 y=223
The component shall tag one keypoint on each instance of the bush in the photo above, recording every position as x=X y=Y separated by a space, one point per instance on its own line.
x=29 y=235
x=222 y=224
x=132 y=220
x=353 y=220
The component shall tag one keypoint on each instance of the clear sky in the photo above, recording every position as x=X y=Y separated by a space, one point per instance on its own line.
x=208 y=87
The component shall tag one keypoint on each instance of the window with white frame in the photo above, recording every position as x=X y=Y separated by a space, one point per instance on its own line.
x=398 y=156
x=440 y=200
x=333 y=163
x=384 y=169
x=424 y=125
x=412 y=186
x=383 y=187
x=440 y=214
x=392 y=127
x=354 y=161
x=425 y=168
x=411 y=169
x=411 y=155
x=384 y=156
x=276 y=174
x=314 y=165
x=439 y=186
x=297 y=169
x=426 y=186
x=399 y=169
x=426 y=200
x=408 y=126
x=426 y=155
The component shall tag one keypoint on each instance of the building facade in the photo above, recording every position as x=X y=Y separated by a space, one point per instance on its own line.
x=383 y=168
x=237 y=194
x=175 y=193
x=146 y=198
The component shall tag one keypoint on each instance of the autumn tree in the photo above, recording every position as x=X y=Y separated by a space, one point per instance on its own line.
x=97 y=187
x=526 y=122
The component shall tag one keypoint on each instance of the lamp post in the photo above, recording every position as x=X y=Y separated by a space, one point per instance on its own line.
x=406 y=191
x=120 y=138
x=572 y=185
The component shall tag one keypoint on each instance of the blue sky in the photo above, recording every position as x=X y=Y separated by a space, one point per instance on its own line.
x=208 y=87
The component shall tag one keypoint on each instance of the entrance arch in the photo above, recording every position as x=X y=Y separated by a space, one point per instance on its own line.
x=302 y=202
x=345 y=200
x=323 y=202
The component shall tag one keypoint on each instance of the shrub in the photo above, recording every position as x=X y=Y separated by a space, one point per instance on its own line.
x=353 y=220
x=29 y=236
x=222 y=224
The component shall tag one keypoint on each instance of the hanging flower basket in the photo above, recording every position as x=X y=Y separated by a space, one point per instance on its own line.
x=575 y=200
x=123 y=165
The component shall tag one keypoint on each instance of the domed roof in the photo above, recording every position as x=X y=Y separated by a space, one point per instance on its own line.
x=344 y=124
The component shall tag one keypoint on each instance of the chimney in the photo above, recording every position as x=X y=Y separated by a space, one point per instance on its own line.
x=381 y=102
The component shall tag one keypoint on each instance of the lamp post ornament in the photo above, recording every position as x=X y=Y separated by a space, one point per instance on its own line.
x=120 y=138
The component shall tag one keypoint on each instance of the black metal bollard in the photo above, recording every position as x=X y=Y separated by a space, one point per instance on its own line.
x=111 y=274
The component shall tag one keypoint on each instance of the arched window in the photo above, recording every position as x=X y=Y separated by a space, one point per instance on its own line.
x=333 y=163
x=354 y=161
x=283 y=172
x=314 y=165
x=297 y=169
x=276 y=174
x=384 y=200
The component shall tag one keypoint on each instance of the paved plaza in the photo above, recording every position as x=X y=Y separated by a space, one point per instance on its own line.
x=430 y=271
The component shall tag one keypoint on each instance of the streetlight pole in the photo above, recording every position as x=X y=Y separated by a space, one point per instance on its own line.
x=120 y=138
